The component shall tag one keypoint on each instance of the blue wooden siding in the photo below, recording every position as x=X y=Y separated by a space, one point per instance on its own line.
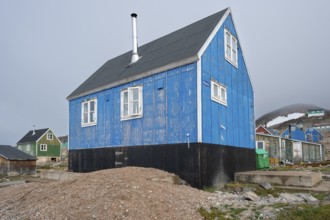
x=169 y=113
x=296 y=133
x=233 y=124
x=313 y=135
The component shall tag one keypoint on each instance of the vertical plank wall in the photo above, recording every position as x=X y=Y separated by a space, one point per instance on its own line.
x=231 y=125
x=169 y=113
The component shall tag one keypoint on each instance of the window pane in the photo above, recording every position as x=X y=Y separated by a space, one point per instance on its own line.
x=91 y=117
x=234 y=45
x=86 y=117
x=125 y=109
x=125 y=97
x=92 y=105
x=228 y=52
x=215 y=91
x=223 y=94
x=135 y=94
x=136 y=107
x=85 y=107
x=228 y=38
x=234 y=57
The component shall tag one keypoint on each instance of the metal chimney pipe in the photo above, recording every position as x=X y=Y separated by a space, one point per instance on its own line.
x=135 y=56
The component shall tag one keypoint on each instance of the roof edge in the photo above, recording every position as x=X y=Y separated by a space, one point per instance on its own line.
x=290 y=139
x=214 y=32
x=138 y=76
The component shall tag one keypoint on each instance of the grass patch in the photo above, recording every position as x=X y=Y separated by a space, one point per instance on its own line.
x=306 y=212
x=234 y=212
x=214 y=213
x=320 y=196
x=211 y=189
x=280 y=205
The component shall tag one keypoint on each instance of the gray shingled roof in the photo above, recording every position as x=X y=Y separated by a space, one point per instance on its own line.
x=173 y=50
x=11 y=153
x=30 y=137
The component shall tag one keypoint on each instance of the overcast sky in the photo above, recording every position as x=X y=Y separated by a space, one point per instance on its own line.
x=48 y=48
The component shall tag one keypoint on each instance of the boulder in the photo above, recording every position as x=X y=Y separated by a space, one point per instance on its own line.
x=307 y=197
x=290 y=198
x=251 y=196
x=266 y=185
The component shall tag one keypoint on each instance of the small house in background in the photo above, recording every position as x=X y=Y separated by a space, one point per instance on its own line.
x=265 y=130
x=294 y=132
x=262 y=129
x=183 y=103
x=313 y=135
x=316 y=113
x=64 y=147
x=284 y=150
x=41 y=143
x=15 y=161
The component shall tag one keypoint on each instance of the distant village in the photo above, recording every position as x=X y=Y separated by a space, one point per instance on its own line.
x=302 y=140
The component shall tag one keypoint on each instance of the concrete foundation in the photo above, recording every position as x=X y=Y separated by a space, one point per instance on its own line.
x=283 y=178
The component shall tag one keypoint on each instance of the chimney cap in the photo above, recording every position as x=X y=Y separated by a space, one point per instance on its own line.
x=134 y=15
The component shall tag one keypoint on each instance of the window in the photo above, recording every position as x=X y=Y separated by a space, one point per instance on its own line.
x=43 y=147
x=89 y=113
x=231 y=48
x=218 y=93
x=131 y=103
x=49 y=136
x=260 y=145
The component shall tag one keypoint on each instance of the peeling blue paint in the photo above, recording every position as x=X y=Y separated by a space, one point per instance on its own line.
x=170 y=106
x=169 y=113
x=238 y=116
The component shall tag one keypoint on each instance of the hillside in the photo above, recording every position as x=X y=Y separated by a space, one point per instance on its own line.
x=284 y=111
x=302 y=121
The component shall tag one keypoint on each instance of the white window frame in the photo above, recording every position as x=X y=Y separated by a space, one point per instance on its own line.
x=221 y=95
x=43 y=147
x=131 y=108
x=88 y=117
x=263 y=145
x=50 y=136
x=231 y=52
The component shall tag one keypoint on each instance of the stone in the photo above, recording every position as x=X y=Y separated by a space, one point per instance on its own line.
x=251 y=196
x=326 y=177
x=287 y=197
x=307 y=197
x=266 y=185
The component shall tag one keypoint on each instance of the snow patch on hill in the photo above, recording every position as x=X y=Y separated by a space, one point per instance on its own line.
x=281 y=119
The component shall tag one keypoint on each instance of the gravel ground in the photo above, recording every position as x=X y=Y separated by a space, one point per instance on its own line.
x=134 y=193
x=124 y=193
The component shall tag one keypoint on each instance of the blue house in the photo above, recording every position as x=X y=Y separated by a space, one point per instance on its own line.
x=294 y=132
x=313 y=135
x=183 y=103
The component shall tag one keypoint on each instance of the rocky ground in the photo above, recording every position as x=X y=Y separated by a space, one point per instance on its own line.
x=136 y=193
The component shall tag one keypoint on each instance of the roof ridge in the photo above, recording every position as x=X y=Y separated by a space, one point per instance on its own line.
x=161 y=54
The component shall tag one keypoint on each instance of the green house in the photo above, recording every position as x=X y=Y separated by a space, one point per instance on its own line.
x=41 y=143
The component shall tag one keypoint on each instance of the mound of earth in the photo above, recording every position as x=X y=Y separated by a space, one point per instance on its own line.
x=123 y=193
